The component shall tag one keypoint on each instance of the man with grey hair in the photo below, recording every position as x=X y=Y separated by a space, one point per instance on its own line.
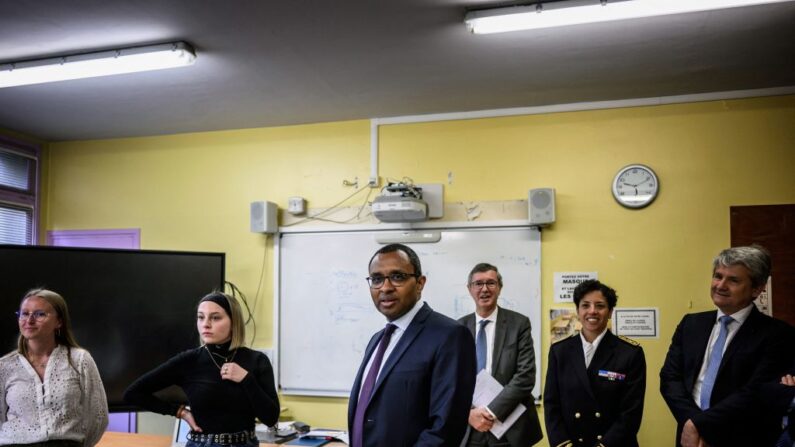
x=504 y=347
x=717 y=358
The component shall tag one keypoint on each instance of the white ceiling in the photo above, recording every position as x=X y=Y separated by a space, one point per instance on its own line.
x=279 y=62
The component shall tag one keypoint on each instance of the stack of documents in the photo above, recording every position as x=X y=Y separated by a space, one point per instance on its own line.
x=320 y=437
x=486 y=389
x=283 y=432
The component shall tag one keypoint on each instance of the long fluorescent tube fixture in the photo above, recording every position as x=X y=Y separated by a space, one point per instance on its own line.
x=575 y=12
x=102 y=63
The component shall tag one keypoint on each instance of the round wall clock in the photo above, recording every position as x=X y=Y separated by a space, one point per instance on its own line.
x=635 y=186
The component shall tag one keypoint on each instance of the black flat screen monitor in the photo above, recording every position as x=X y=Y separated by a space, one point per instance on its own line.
x=132 y=309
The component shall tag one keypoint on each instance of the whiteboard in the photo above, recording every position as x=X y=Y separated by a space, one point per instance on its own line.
x=326 y=315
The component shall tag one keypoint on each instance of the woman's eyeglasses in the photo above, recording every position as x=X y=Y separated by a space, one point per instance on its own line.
x=37 y=315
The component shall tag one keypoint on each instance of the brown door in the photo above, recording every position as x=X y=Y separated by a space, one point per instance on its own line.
x=772 y=226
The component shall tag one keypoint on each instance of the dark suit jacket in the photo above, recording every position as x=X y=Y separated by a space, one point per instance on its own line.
x=775 y=399
x=603 y=404
x=513 y=364
x=424 y=391
x=760 y=351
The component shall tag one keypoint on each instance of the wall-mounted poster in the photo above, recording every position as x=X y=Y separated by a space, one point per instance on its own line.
x=565 y=282
x=764 y=302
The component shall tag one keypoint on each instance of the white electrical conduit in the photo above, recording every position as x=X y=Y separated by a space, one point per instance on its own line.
x=375 y=123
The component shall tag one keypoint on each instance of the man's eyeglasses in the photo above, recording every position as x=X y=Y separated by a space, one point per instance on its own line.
x=480 y=284
x=397 y=279
x=37 y=315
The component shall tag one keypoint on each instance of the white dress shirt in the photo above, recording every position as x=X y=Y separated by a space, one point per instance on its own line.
x=595 y=345
x=66 y=405
x=490 y=329
x=401 y=324
x=739 y=318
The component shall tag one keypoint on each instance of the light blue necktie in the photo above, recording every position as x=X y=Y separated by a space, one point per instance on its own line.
x=714 y=361
x=480 y=345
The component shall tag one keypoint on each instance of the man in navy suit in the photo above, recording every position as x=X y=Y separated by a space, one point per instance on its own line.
x=718 y=358
x=778 y=398
x=508 y=355
x=415 y=383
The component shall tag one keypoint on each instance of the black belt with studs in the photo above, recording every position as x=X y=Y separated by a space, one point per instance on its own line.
x=223 y=438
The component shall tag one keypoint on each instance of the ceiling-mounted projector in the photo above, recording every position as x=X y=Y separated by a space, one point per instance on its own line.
x=400 y=202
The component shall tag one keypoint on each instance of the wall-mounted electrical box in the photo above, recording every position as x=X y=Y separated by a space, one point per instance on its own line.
x=296 y=205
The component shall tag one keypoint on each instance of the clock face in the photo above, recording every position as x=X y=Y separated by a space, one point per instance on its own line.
x=635 y=186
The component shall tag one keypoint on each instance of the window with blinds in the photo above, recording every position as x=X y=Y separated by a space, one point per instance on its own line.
x=18 y=180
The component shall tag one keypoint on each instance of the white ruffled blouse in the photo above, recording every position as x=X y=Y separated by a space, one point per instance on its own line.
x=66 y=405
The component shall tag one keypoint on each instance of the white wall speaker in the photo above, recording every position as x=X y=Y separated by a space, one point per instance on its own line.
x=541 y=206
x=264 y=217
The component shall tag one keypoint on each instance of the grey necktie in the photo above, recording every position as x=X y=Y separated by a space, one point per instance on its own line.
x=481 y=348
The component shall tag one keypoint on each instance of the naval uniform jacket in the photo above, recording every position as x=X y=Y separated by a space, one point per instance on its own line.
x=602 y=405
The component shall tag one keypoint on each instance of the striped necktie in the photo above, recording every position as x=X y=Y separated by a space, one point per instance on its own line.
x=589 y=349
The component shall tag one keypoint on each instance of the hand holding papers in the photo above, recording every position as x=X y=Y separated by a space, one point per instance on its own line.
x=486 y=389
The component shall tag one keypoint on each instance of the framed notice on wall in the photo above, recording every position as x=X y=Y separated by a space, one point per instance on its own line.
x=636 y=322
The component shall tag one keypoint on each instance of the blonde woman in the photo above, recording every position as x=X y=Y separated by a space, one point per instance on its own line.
x=50 y=390
x=227 y=384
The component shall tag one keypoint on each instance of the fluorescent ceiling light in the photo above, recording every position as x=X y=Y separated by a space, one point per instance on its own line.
x=103 y=63
x=574 y=12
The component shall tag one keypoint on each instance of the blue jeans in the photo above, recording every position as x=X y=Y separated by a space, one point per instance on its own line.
x=249 y=443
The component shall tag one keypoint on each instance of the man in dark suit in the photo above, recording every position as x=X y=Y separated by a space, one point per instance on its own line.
x=778 y=398
x=717 y=358
x=415 y=383
x=509 y=357
x=596 y=381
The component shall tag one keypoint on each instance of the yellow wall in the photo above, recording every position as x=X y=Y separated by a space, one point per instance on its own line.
x=192 y=192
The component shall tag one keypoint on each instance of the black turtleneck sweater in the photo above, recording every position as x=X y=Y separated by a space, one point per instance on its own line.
x=218 y=406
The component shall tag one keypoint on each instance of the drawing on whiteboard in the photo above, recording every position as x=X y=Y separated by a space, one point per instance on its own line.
x=327 y=316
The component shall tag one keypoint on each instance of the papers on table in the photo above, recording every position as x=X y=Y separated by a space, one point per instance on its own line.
x=282 y=432
x=331 y=435
x=486 y=389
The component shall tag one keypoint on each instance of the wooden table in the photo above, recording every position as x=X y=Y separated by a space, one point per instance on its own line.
x=114 y=439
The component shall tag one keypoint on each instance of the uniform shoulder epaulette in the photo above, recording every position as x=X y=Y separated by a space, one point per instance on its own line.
x=565 y=338
x=576 y=334
x=629 y=340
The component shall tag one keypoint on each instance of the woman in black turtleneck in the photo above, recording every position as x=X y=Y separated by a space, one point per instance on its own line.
x=227 y=384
